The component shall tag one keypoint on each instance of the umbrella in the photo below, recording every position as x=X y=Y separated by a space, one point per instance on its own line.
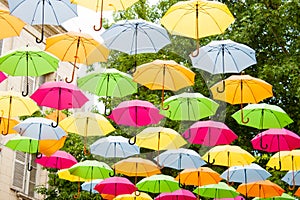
x=134 y=196
x=28 y=61
x=59 y=95
x=263 y=116
x=115 y=186
x=53 y=115
x=228 y=155
x=42 y=12
x=58 y=160
x=89 y=185
x=209 y=133
x=164 y=75
x=263 y=189
x=2 y=77
x=10 y=123
x=235 y=198
x=197 y=19
x=12 y=104
x=189 y=107
x=177 y=195
x=11 y=24
x=284 y=196
x=198 y=177
x=114 y=147
x=135 y=113
x=219 y=190
x=274 y=140
x=180 y=159
x=108 y=5
x=224 y=56
x=292 y=177
x=158 y=183
x=297 y=193
x=78 y=48
x=285 y=160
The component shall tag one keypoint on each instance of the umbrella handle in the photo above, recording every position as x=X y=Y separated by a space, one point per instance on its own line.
x=279 y=167
x=261 y=144
x=180 y=184
x=76 y=196
x=38 y=155
x=37 y=40
x=112 y=174
x=134 y=141
x=189 y=135
x=29 y=167
x=223 y=89
x=137 y=193
x=4 y=133
x=25 y=93
x=101 y=16
x=73 y=74
x=208 y=160
x=197 y=50
x=54 y=125
x=293 y=187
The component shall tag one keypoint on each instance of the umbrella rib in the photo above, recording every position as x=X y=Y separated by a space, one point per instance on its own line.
x=217 y=56
x=10 y=24
x=53 y=11
x=82 y=43
x=19 y=60
x=232 y=57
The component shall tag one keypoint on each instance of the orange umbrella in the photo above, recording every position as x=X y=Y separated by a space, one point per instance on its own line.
x=10 y=25
x=297 y=193
x=49 y=147
x=4 y=124
x=53 y=116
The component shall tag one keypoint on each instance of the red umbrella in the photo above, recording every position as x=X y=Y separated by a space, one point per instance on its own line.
x=177 y=195
x=209 y=133
x=2 y=77
x=58 y=160
x=115 y=186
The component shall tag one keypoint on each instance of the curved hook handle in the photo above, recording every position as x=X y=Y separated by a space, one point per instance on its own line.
x=293 y=187
x=101 y=16
x=189 y=135
x=112 y=174
x=25 y=93
x=208 y=160
x=197 y=50
x=4 y=133
x=29 y=167
x=37 y=40
x=38 y=155
x=73 y=74
x=230 y=183
x=242 y=117
x=134 y=141
x=223 y=89
x=278 y=169
x=54 y=125
x=180 y=184
x=261 y=143
x=137 y=193
x=165 y=108
x=107 y=113
x=133 y=69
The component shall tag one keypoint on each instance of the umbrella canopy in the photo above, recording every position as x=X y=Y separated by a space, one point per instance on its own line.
x=263 y=189
x=224 y=56
x=263 y=116
x=53 y=115
x=10 y=123
x=43 y=12
x=228 y=155
x=65 y=174
x=180 y=159
x=198 y=177
x=189 y=107
x=274 y=140
x=11 y=24
x=77 y=48
x=158 y=183
x=235 y=198
x=89 y=185
x=135 y=113
x=209 y=133
x=177 y=195
x=114 y=147
x=134 y=196
x=2 y=77
x=284 y=196
x=219 y=190
x=58 y=160
x=292 y=177
x=285 y=160
x=297 y=193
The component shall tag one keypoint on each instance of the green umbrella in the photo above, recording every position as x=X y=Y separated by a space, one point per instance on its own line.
x=284 y=196
x=189 y=106
x=28 y=61
x=158 y=183
x=24 y=144
x=220 y=190
x=263 y=116
x=91 y=169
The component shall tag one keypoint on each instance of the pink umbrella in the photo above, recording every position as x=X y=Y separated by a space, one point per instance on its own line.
x=58 y=160
x=2 y=77
x=115 y=186
x=177 y=195
x=136 y=113
x=235 y=198
x=274 y=140
x=59 y=95
x=209 y=133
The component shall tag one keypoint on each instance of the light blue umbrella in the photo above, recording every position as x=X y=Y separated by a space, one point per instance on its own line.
x=89 y=186
x=292 y=177
x=180 y=159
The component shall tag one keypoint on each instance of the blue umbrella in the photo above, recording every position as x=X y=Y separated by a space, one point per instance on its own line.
x=292 y=178
x=89 y=186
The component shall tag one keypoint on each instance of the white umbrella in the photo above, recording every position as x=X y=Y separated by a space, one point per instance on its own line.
x=89 y=186
x=292 y=177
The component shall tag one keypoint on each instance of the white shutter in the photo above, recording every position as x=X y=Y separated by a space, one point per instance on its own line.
x=19 y=171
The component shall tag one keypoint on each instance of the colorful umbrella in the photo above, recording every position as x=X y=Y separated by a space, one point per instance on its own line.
x=274 y=140
x=297 y=193
x=180 y=159
x=2 y=77
x=189 y=107
x=78 y=48
x=197 y=19
x=135 y=113
x=284 y=196
x=164 y=75
x=43 y=12
x=209 y=133
x=58 y=160
x=28 y=61
x=134 y=196
x=10 y=123
x=177 y=195
x=292 y=177
x=11 y=24
x=89 y=185
x=235 y=198
x=53 y=115
x=285 y=160
x=219 y=190
x=263 y=189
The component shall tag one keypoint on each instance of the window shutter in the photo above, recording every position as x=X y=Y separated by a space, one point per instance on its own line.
x=19 y=170
x=1 y=44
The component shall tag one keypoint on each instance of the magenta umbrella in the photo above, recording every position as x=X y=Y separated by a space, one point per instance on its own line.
x=274 y=140
x=209 y=133
x=115 y=186
x=2 y=77
x=181 y=194
x=135 y=113
x=58 y=160
x=59 y=95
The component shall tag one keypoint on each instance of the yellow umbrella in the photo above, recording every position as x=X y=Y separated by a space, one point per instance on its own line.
x=10 y=25
x=134 y=196
x=228 y=155
x=76 y=47
x=4 y=124
x=53 y=116
x=197 y=19
x=49 y=147
x=164 y=75
x=285 y=160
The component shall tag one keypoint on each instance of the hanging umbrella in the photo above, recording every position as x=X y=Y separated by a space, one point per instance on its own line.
x=135 y=113
x=263 y=116
x=2 y=77
x=209 y=133
x=58 y=160
x=134 y=196
x=285 y=160
x=197 y=19
x=164 y=75
x=235 y=198
x=104 y=5
x=198 y=177
x=158 y=183
x=284 y=196
x=274 y=140
x=28 y=61
x=59 y=95
x=180 y=159
x=11 y=24
x=77 y=48
x=177 y=195
x=263 y=189
x=42 y=12
x=228 y=155
x=189 y=107
x=219 y=190
x=89 y=185
x=10 y=123
x=297 y=193
x=292 y=177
